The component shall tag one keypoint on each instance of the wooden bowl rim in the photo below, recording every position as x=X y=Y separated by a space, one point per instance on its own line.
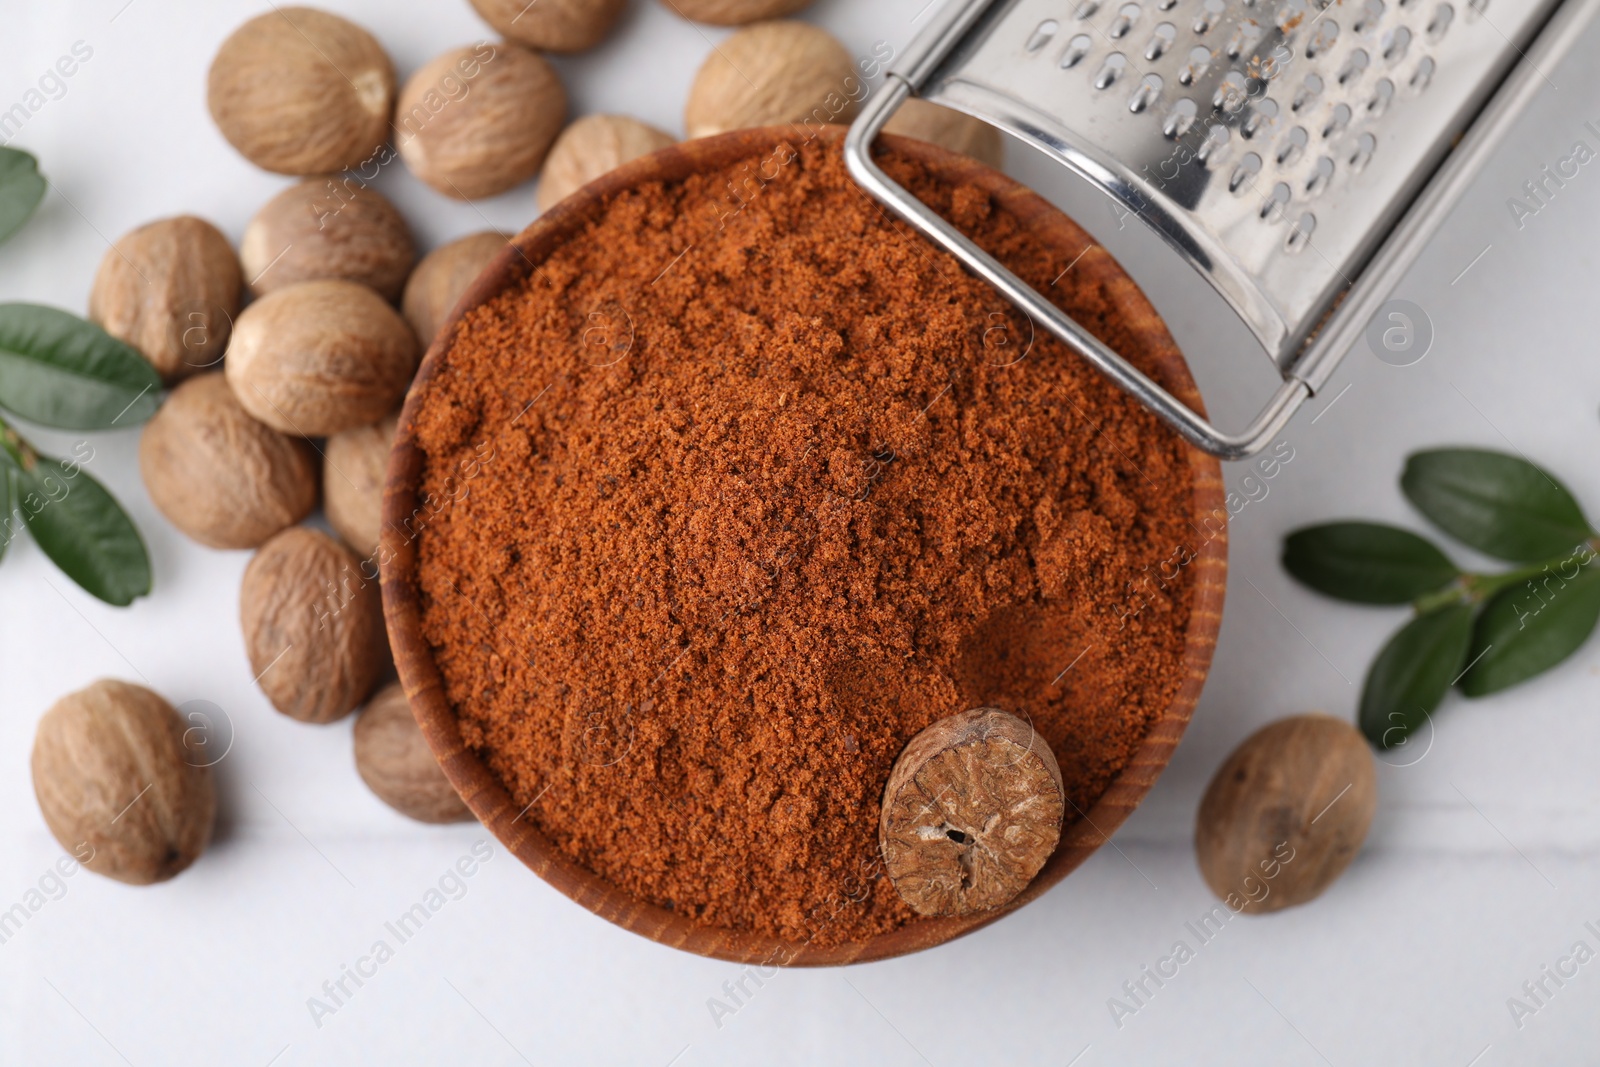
x=489 y=800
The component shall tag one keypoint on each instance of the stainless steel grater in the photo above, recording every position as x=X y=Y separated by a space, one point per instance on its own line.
x=1297 y=153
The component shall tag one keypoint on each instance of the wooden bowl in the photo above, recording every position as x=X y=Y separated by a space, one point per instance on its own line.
x=489 y=800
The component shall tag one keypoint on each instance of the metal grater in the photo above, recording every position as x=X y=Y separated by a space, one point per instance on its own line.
x=1296 y=153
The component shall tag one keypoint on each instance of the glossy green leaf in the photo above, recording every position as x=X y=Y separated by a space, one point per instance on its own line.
x=59 y=370
x=1366 y=562
x=21 y=189
x=1413 y=672
x=82 y=528
x=1529 y=628
x=1501 y=505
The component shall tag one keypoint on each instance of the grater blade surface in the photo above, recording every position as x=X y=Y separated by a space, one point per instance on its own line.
x=1272 y=143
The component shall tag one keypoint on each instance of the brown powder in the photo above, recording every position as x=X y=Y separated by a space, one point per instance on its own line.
x=755 y=499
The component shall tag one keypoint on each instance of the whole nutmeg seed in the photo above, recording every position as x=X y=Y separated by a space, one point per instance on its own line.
x=220 y=476
x=171 y=290
x=313 y=626
x=1286 y=813
x=117 y=786
x=735 y=12
x=592 y=146
x=479 y=134
x=394 y=760
x=353 y=474
x=320 y=357
x=328 y=228
x=971 y=812
x=552 y=25
x=770 y=73
x=948 y=128
x=441 y=279
x=300 y=91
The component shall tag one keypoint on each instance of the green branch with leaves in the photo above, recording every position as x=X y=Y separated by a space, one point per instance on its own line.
x=60 y=371
x=1480 y=633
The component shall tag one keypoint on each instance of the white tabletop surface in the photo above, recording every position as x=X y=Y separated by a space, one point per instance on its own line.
x=1480 y=869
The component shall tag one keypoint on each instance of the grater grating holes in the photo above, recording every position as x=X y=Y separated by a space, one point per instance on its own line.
x=1300 y=235
x=1289 y=15
x=1322 y=38
x=1307 y=94
x=1272 y=208
x=1396 y=43
x=1439 y=25
x=1127 y=15
x=1261 y=115
x=1354 y=64
x=1077 y=48
x=1179 y=120
x=1199 y=62
x=1382 y=96
x=1161 y=39
x=1215 y=146
x=1148 y=92
x=1371 y=14
x=1321 y=175
x=1210 y=12
x=1245 y=35
x=1110 y=70
x=1366 y=144
x=1293 y=146
x=1242 y=65
x=1244 y=174
x=1337 y=121
x=1231 y=94
x=1423 y=75
x=1042 y=35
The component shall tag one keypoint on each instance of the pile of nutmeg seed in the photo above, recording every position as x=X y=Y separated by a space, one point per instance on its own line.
x=295 y=398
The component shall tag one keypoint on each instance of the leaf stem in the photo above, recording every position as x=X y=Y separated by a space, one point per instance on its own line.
x=1476 y=588
x=1456 y=592
x=20 y=451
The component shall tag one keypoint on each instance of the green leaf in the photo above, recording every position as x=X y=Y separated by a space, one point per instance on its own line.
x=1501 y=505
x=1413 y=672
x=1366 y=562
x=58 y=370
x=1530 y=628
x=21 y=189
x=81 y=527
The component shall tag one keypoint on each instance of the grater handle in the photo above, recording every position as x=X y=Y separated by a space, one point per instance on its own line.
x=1189 y=424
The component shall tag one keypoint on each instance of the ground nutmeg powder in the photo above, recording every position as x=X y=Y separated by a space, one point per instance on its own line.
x=759 y=493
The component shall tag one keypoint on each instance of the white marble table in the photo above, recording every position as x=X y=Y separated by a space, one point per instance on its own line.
x=1481 y=867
